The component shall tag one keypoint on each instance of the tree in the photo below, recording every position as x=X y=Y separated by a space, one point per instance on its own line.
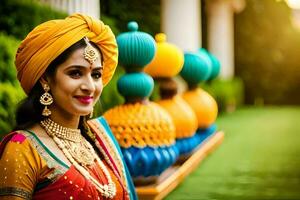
x=267 y=50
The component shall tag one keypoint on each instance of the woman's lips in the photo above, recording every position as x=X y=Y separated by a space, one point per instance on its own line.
x=84 y=99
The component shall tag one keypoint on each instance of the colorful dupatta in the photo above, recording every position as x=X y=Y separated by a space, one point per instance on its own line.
x=108 y=145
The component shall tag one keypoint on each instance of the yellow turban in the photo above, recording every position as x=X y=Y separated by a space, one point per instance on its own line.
x=48 y=40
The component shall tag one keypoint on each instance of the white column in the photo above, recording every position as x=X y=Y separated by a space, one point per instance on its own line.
x=77 y=6
x=89 y=7
x=69 y=6
x=96 y=8
x=64 y=5
x=83 y=6
x=86 y=6
x=221 y=32
x=181 y=22
x=220 y=35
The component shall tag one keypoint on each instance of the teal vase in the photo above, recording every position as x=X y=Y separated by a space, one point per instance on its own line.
x=136 y=49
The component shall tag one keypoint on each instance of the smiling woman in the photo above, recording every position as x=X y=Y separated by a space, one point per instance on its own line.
x=77 y=84
x=55 y=151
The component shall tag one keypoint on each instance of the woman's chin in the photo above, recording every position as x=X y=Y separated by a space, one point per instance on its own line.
x=84 y=112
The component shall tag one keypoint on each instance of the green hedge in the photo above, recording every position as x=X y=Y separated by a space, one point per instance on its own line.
x=110 y=96
x=146 y=13
x=111 y=22
x=10 y=95
x=19 y=17
x=267 y=47
x=229 y=94
x=8 y=46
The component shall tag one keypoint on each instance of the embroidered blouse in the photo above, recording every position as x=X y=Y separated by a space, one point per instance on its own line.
x=29 y=170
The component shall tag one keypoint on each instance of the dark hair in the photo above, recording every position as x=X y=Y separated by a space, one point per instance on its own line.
x=29 y=111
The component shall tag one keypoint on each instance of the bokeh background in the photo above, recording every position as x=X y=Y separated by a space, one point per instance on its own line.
x=266 y=48
x=259 y=105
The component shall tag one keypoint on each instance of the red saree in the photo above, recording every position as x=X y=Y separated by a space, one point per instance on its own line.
x=31 y=171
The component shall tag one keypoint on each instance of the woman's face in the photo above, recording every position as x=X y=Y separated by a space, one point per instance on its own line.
x=76 y=85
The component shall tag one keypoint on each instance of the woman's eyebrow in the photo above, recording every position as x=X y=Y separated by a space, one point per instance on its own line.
x=76 y=67
x=98 y=68
x=83 y=67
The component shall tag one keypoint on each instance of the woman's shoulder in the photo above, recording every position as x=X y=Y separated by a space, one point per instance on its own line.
x=23 y=141
x=15 y=138
x=98 y=125
x=101 y=128
x=28 y=145
x=17 y=149
x=18 y=136
x=23 y=137
x=101 y=120
x=20 y=163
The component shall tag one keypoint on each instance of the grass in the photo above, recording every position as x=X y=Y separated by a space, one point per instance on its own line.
x=259 y=158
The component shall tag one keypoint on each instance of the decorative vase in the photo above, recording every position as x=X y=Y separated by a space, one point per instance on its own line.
x=167 y=63
x=143 y=129
x=199 y=67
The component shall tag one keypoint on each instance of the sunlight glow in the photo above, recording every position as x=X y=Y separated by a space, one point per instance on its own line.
x=294 y=4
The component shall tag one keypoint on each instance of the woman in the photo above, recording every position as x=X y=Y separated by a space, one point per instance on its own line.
x=54 y=151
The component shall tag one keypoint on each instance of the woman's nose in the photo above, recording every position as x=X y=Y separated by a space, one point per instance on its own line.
x=88 y=84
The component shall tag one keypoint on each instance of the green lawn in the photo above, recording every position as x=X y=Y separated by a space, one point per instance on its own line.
x=259 y=158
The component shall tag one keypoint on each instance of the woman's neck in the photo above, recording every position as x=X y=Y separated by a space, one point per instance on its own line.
x=65 y=119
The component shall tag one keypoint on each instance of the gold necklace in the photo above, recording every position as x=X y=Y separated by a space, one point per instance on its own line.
x=72 y=140
x=80 y=153
x=60 y=131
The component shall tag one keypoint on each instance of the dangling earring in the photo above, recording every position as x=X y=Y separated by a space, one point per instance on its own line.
x=46 y=99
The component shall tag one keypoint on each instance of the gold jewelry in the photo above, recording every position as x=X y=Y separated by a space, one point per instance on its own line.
x=90 y=53
x=54 y=129
x=89 y=132
x=80 y=153
x=91 y=114
x=46 y=99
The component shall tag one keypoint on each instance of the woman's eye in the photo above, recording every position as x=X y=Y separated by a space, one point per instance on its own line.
x=75 y=74
x=96 y=75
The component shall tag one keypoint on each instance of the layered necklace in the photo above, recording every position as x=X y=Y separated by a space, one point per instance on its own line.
x=80 y=153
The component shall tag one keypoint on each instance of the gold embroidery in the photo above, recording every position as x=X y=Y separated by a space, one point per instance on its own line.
x=112 y=150
x=81 y=154
x=59 y=170
x=13 y=191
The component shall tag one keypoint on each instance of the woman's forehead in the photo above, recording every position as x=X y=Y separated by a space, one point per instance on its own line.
x=77 y=58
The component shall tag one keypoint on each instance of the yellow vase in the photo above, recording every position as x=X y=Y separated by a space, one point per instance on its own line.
x=204 y=106
x=168 y=59
x=183 y=116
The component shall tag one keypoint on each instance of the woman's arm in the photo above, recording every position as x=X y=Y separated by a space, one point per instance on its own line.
x=11 y=198
x=19 y=168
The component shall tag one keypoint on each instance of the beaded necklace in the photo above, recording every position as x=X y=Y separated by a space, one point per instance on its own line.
x=80 y=153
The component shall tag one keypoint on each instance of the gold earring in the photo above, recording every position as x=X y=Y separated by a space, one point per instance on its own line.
x=91 y=114
x=46 y=99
